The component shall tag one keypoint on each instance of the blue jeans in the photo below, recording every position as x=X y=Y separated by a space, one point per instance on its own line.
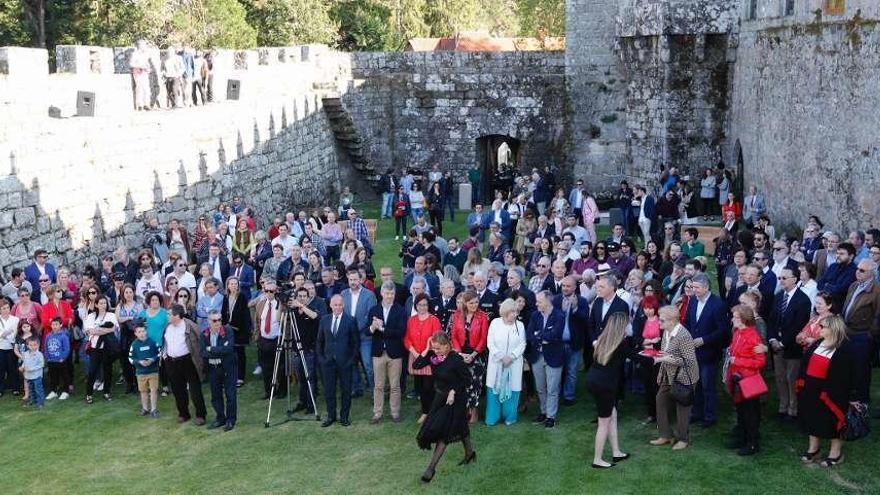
x=416 y=213
x=569 y=374
x=706 y=396
x=387 y=202
x=38 y=395
x=357 y=383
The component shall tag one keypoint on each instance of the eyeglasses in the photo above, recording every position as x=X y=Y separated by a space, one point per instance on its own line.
x=214 y=320
x=861 y=270
x=183 y=296
x=44 y=280
x=92 y=292
x=269 y=291
x=778 y=248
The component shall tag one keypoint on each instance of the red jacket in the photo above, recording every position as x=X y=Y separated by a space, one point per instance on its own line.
x=745 y=361
x=479 y=331
x=418 y=332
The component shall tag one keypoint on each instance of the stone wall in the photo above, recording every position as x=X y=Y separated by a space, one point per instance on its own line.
x=420 y=108
x=806 y=96
x=79 y=186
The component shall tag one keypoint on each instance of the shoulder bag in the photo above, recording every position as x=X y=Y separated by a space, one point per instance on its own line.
x=681 y=393
x=856 y=425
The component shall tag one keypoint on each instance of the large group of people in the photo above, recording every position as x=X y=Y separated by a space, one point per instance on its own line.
x=507 y=317
x=186 y=74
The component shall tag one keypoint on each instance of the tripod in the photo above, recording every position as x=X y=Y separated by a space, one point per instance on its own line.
x=290 y=338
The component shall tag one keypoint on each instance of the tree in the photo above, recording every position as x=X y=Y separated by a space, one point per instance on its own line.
x=448 y=17
x=35 y=10
x=364 y=25
x=15 y=29
x=536 y=14
x=291 y=22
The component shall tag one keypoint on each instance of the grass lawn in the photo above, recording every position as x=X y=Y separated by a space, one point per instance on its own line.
x=106 y=448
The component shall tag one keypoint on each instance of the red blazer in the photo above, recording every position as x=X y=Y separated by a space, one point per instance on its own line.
x=745 y=361
x=479 y=331
x=736 y=208
x=419 y=332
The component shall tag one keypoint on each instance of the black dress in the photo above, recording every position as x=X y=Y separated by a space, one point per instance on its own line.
x=445 y=423
x=825 y=389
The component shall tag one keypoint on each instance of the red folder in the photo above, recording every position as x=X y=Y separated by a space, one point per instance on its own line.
x=753 y=386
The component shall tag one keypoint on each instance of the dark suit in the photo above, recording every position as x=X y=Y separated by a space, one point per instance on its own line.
x=489 y=304
x=596 y=323
x=784 y=327
x=337 y=354
x=224 y=267
x=246 y=279
x=390 y=340
x=712 y=326
x=400 y=293
x=545 y=340
x=32 y=274
x=529 y=297
x=221 y=366
x=442 y=311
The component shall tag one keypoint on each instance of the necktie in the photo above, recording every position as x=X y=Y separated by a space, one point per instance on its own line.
x=783 y=305
x=335 y=325
x=267 y=319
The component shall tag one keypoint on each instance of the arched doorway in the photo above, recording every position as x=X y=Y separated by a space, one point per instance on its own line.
x=493 y=150
x=739 y=186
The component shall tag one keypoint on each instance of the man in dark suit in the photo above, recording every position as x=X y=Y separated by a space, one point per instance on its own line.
x=455 y=256
x=328 y=286
x=780 y=260
x=860 y=311
x=219 y=263
x=544 y=352
x=791 y=312
x=386 y=274
x=752 y=282
x=443 y=305
x=606 y=304
x=488 y=299
x=338 y=344
x=420 y=269
x=708 y=324
x=576 y=314
x=387 y=328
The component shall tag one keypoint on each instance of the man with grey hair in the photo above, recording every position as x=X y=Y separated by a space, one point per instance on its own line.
x=708 y=324
x=218 y=349
x=444 y=305
x=826 y=256
x=387 y=327
x=488 y=299
x=545 y=355
x=861 y=309
x=606 y=304
x=575 y=316
x=790 y=314
x=541 y=280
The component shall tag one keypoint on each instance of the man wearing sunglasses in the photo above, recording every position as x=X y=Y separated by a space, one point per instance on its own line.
x=218 y=349
x=861 y=309
x=39 y=268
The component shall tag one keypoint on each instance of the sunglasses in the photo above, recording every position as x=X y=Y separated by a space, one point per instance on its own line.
x=183 y=296
x=269 y=291
x=44 y=280
x=861 y=270
x=92 y=292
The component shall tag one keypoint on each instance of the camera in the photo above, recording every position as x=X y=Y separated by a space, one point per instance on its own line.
x=285 y=293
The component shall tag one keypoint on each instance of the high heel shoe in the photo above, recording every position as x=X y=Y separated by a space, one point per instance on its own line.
x=468 y=458
x=428 y=475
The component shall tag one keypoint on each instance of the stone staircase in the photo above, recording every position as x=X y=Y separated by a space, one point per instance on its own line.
x=349 y=139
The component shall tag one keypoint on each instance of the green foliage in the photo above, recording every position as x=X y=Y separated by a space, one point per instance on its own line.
x=448 y=17
x=536 y=14
x=364 y=25
x=14 y=28
x=291 y=22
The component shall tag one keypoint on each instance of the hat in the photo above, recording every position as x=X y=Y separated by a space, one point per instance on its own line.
x=612 y=246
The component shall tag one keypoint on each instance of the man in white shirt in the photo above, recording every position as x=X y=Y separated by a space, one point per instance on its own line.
x=16 y=281
x=284 y=239
x=184 y=277
x=184 y=365
x=580 y=234
x=268 y=324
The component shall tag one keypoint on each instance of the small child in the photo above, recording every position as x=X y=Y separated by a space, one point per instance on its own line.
x=32 y=369
x=144 y=356
x=57 y=352
x=25 y=332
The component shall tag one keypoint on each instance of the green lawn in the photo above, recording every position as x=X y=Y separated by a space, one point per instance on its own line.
x=103 y=448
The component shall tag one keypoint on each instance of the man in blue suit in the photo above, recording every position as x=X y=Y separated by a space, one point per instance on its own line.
x=40 y=267
x=544 y=352
x=499 y=215
x=387 y=328
x=357 y=302
x=708 y=325
x=245 y=275
x=338 y=344
x=576 y=313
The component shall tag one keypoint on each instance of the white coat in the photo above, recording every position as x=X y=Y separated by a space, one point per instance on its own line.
x=506 y=340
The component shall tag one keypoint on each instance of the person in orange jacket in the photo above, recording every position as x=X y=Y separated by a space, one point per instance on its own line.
x=745 y=361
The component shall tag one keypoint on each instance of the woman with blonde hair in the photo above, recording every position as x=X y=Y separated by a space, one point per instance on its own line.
x=609 y=353
x=506 y=343
x=826 y=390
x=475 y=262
x=678 y=366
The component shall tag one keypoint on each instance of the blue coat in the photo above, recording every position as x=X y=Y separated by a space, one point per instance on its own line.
x=342 y=348
x=32 y=274
x=713 y=327
x=546 y=339
x=835 y=280
x=650 y=209
x=246 y=280
x=577 y=322
x=365 y=302
x=489 y=217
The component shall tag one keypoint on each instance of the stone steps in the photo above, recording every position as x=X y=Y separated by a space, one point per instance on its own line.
x=349 y=139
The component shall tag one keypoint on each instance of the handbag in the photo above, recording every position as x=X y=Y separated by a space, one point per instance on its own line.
x=753 y=386
x=681 y=393
x=856 y=425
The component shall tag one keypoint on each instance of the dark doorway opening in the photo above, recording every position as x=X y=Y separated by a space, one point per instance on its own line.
x=739 y=185
x=493 y=150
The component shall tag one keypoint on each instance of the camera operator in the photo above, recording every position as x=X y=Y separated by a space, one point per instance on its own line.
x=308 y=311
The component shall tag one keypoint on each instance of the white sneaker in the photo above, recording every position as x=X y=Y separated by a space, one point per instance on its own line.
x=99 y=386
x=397 y=238
x=63 y=396
x=51 y=396
x=258 y=370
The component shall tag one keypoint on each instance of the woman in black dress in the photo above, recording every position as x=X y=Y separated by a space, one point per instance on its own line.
x=825 y=390
x=447 y=419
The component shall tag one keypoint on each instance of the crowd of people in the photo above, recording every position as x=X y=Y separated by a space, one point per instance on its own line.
x=507 y=317
x=186 y=74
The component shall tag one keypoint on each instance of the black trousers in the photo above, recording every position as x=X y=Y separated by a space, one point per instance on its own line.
x=99 y=360
x=425 y=385
x=267 y=362
x=333 y=372
x=648 y=373
x=224 y=395
x=241 y=361
x=182 y=374
x=10 y=379
x=126 y=366
x=748 y=418
x=58 y=377
x=437 y=220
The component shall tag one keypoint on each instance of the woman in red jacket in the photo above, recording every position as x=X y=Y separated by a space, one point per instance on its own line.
x=470 y=326
x=745 y=362
x=419 y=330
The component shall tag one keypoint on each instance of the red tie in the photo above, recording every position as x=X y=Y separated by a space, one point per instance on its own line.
x=267 y=319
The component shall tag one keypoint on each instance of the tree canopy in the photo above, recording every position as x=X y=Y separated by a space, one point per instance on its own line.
x=345 y=24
